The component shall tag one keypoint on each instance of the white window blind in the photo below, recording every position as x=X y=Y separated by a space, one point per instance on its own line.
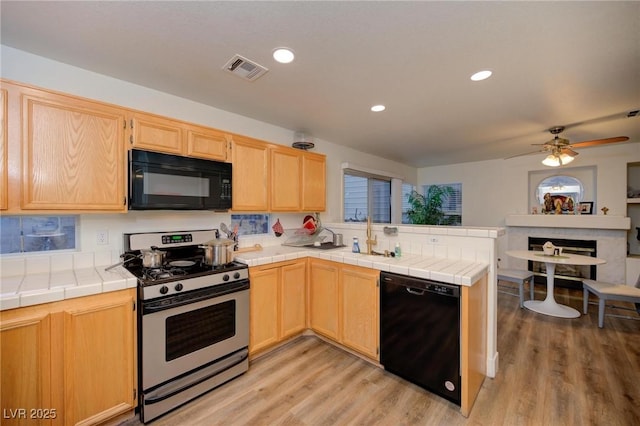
x=366 y=194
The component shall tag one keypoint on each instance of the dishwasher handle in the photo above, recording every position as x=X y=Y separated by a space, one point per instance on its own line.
x=419 y=286
x=417 y=292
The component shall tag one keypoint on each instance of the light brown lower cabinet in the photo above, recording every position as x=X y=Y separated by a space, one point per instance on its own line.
x=344 y=305
x=360 y=307
x=324 y=303
x=70 y=362
x=278 y=303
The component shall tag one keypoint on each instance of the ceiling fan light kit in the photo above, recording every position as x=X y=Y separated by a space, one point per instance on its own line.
x=561 y=150
x=556 y=160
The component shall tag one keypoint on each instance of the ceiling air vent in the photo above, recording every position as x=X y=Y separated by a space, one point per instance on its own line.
x=244 y=68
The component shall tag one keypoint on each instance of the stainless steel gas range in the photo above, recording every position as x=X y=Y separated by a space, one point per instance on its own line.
x=193 y=319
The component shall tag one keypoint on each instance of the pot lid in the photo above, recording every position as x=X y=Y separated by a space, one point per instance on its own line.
x=219 y=242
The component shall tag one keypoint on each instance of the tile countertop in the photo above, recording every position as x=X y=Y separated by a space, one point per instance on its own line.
x=43 y=279
x=452 y=271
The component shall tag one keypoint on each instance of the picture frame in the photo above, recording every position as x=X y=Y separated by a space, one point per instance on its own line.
x=586 y=207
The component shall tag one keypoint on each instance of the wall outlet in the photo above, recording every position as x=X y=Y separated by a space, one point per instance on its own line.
x=102 y=238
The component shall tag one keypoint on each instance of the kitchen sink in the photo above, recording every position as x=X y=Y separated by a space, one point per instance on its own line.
x=328 y=245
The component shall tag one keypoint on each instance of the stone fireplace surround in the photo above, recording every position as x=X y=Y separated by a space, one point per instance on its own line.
x=610 y=232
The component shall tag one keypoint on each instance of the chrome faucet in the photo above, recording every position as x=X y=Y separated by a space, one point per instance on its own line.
x=369 y=241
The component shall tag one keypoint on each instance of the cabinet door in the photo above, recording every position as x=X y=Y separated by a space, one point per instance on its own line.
x=263 y=318
x=324 y=306
x=156 y=134
x=313 y=182
x=73 y=153
x=207 y=143
x=360 y=323
x=293 y=299
x=25 y=361
x=286 y=175
x=99 y=358
x=250 y=174
x=4 y=176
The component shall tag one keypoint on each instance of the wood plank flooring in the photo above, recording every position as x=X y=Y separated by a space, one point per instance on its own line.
x=552 y=372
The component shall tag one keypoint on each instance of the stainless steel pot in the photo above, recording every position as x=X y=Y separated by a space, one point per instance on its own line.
x=217 y=252
x=153 y=258
x=337 y=239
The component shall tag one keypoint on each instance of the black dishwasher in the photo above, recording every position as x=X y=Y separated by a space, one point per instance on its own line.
x=420 y=332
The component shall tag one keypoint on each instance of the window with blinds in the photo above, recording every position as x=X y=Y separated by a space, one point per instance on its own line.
x=407 y=188
x=366 y=194
x=452 y=204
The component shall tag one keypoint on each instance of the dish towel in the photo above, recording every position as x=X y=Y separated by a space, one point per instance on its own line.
x=277 y=228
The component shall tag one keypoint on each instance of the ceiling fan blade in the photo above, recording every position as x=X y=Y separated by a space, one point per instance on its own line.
x=526 y=153
x=569 y=151
x=599 y=142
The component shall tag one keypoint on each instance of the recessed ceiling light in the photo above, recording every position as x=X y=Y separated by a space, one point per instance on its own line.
x=481 y=75
x=378 y=108
x=284 y=55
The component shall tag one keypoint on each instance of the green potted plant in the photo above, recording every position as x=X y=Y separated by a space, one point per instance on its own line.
x=427 y=209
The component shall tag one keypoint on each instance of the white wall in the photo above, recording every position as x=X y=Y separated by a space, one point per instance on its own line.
x=491 y=189
x=31 y=69
x=494 y=189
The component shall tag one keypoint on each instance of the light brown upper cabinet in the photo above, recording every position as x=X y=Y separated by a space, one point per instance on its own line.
x=250 y=160
x=170 y=136
x=156 y=133
x=313 y=182
x=73 y=154
x=4 y=174
x=207 y=143
x=270 y=177
x=286 y=178
x=298 y=180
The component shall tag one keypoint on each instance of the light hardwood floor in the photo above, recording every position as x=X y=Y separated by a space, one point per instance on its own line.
x=552 y=372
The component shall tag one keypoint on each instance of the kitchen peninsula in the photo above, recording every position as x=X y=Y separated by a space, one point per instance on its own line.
x=341 y=304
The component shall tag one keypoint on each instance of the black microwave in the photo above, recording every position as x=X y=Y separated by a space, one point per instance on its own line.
x=171 y=182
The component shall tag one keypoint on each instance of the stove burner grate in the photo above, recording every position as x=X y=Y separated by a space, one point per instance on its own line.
x=154 y=274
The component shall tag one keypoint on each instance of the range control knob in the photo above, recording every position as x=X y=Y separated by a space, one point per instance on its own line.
x=225 y=277
x=164 y=289
x=236 y=275
x=179 y=287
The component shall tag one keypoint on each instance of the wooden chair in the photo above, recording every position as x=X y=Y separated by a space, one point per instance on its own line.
x=606 y=291
x=519 y=277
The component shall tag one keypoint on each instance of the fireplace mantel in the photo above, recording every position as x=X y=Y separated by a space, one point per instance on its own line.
x=569 y=221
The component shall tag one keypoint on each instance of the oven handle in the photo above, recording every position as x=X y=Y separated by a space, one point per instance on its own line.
x=226 y=364
x=150 y=307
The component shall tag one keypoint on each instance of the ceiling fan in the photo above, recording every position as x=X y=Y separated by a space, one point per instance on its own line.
x=561 y=150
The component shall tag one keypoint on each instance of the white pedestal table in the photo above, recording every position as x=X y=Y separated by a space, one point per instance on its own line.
x=549 y=306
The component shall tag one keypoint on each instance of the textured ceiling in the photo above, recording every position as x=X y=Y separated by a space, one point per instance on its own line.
x=554 y=63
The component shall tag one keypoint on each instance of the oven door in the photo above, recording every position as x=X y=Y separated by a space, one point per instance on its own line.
x=179 y=339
